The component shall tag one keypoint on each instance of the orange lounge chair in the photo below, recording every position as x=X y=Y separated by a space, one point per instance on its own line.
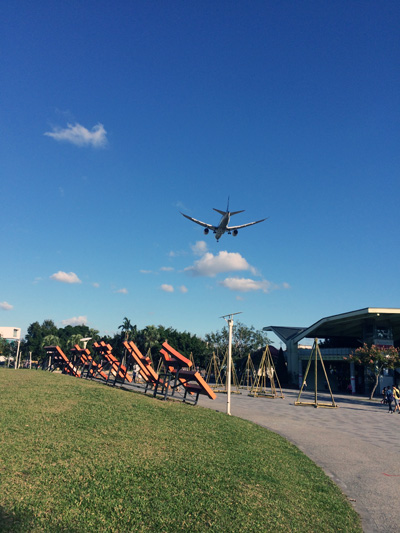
x=190 y=380
x=60 y=359
x=86 y=363
x=114 y=367
x=146 y=370
x=195 y=384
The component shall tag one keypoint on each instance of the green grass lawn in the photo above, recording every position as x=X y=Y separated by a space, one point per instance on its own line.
x=78 y=456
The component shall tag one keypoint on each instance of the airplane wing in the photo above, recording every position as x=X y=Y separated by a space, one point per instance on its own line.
x=231 y=228
x=204 y=224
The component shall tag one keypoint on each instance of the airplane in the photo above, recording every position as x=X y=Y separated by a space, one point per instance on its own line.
x=223 y=223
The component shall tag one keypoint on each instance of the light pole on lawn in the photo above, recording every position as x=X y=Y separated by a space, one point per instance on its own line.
x=229 y=369
x=85 y=341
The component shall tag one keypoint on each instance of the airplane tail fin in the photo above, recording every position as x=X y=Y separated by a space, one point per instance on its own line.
x=224 y=212
x=227 y=210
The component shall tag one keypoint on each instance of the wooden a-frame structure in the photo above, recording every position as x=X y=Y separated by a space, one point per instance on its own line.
x=249 y=375
x=213 y=369
x=266 y=373
x=223 y=387
x=316 y=355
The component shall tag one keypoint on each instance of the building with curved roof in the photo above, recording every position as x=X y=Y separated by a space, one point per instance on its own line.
x=341 y=335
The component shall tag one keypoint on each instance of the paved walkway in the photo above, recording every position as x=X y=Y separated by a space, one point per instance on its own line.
x=357 y=445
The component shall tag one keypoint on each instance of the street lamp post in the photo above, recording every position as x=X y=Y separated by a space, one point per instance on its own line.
x=85 y=341
x=229 y=367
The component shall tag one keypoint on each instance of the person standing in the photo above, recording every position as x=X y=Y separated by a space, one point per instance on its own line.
x=384 y=395
x=135 y=372
x=396 y=398
x=389 y=399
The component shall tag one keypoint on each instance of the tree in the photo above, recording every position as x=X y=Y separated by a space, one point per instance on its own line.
x=245 y=340
x=151 y=336
x=49 y=328
x=51 y=340
x=376 y=358
x=5 y=349
x=71 y=335
x=34 y=339
x=75 y=338
x=125 y=327
x=3 y=345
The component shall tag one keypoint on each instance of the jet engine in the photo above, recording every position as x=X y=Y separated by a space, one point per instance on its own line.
x=206 y=230
x=235 y=232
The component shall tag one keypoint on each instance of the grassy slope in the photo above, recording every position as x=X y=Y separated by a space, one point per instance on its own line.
x=78 y=456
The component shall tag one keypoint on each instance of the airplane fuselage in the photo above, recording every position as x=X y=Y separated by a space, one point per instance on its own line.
x=223 y=223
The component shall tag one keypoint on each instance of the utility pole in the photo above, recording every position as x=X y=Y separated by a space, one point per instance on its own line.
x=18 y=356
x=229 y=368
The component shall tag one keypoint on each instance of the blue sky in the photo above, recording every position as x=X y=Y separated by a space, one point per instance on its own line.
x=116 y=116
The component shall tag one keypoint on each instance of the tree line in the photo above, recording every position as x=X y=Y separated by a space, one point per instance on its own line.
x=245 y=340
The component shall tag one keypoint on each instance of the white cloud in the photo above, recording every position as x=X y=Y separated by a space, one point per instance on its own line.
x=146 y=271
x=210 y=265
x=79 y=135
x=167 y=269
x=167 y=288
x=199 y=248
x=6 y=306
x=122 y=291
x=177 y=253
x=181 y=206
x=96 y=285
x=247 y=285
x=183 y=289
x=75 y=321
x=286 y=285
x=65 y=277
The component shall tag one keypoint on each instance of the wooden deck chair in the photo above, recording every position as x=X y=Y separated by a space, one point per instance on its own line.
x=177 y=376
x=146 y=369
x=57 y=358
x=195 y=385
x=87 y=364
x=173 y=362
x=117 y=372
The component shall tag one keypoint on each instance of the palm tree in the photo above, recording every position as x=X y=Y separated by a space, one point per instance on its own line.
x=51 y=340
x=74 y=339
x=126 y=328
x=151 y=336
